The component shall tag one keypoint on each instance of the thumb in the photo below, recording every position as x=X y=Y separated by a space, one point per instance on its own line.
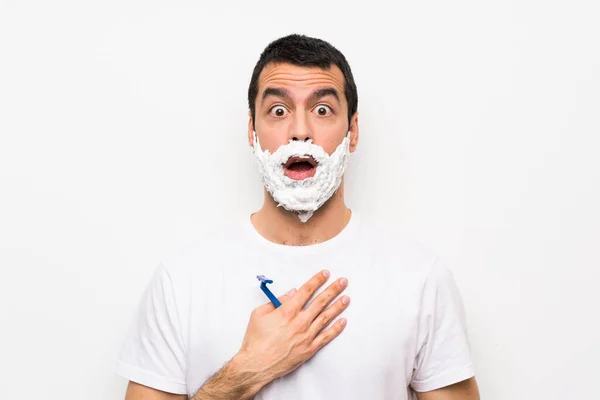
x=268 y=307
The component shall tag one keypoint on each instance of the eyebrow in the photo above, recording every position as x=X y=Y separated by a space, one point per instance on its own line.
x=285 y=94
x=276 y=92
x=320 y=93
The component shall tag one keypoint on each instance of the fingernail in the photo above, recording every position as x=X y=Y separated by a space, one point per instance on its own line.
x=343 y=322
x=345 y=300
x=326 y=274
x=343 y=281
x=291 y=292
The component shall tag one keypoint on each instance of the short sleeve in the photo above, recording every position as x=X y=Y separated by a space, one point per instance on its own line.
x=153 y=354
x=443 y=353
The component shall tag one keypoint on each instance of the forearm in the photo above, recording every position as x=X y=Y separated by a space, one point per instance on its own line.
x=231 y=382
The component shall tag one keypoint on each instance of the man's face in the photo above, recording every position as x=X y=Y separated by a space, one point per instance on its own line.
x=300 y=103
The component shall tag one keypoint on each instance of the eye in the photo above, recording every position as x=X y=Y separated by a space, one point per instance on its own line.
x=323 y=111
x=278 y=111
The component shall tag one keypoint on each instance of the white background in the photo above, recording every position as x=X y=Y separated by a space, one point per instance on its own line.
x=123 y=136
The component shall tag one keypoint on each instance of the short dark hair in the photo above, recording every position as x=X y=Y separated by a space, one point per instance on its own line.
x=304 y=51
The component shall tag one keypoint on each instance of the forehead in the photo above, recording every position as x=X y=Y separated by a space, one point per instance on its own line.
x=299 y=79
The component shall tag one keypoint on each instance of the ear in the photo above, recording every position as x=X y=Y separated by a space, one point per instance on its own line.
x=354 y=132
x=250 y=130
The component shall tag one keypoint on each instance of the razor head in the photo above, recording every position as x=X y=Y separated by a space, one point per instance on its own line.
x=264 y=279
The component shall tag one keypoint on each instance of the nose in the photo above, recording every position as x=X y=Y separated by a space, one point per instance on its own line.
x=300 y=130
x=304 y=140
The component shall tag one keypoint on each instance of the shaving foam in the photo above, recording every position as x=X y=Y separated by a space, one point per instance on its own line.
x=302 y=196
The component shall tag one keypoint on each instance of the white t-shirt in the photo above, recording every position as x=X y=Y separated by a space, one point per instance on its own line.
x=406 y=325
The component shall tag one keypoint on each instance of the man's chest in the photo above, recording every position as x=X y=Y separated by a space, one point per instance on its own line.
x=375 y=350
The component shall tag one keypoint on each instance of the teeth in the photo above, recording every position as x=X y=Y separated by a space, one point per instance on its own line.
x=297 y=159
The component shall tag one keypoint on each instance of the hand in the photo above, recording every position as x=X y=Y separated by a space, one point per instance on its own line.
x=277 y=341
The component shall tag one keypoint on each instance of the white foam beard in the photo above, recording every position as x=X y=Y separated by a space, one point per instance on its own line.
x=306 y=196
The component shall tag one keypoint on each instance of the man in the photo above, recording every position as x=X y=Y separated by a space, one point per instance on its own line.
x=204 y=328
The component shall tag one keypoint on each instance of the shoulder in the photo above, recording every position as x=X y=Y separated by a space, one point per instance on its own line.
x=197 y=255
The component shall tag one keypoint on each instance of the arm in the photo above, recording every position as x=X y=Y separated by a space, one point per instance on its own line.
x=230 y=382
x=443 y=365
x=465 y=390
x=277 y=341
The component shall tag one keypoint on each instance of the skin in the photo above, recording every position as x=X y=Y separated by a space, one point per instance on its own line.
x=277 y=341
x=465 y=390
x=301 y=119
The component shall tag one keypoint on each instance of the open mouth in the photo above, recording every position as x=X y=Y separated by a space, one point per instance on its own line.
x=300 y=167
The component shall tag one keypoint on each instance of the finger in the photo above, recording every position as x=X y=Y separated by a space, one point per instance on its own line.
x=318 y=304
x=323 y=319
x=269 y=307
x=305 y=292
x=286 y=297
x=327 y=335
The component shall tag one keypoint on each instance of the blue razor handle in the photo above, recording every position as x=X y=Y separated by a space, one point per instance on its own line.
x=263 y=285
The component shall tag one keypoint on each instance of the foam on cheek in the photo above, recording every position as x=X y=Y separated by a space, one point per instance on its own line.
x=306 y=196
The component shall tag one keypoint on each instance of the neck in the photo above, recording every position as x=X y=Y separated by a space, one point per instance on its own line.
x=284 y=227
